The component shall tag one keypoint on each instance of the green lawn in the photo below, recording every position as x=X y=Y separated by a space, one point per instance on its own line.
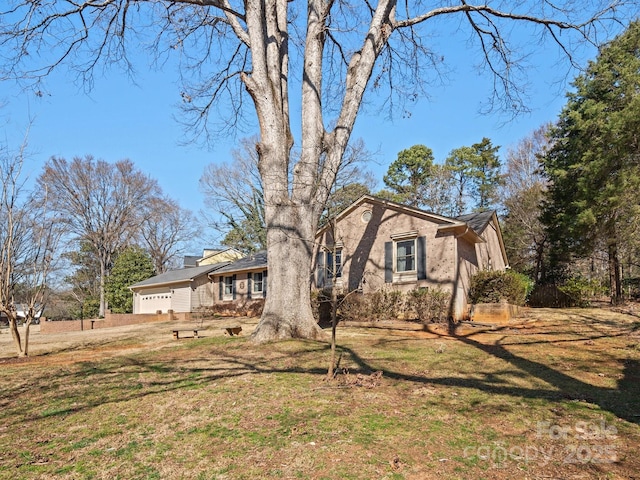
x=558 y=399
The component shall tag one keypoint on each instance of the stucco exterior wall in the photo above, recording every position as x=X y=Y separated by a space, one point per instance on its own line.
x=468 y=263
x=363 y=249
x=490 y=253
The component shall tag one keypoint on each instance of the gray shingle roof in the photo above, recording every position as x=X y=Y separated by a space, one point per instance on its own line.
x=477 y=221
x=255 y=261
x=181 y=275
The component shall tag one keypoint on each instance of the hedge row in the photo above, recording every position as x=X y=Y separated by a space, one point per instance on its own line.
x=424 y=305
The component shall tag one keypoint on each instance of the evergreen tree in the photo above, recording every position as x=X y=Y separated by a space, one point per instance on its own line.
x=474 y=177
x=132 y=265
x=408 y=175
x=594 y=165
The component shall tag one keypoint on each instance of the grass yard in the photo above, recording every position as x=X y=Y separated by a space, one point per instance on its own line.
x=556 y=397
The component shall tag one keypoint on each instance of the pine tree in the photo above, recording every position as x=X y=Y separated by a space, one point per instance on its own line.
x=594 y=165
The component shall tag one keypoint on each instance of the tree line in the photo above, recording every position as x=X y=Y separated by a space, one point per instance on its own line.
x=82 y=223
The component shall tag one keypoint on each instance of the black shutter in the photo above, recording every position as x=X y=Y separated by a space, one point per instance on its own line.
x=249 y=285
x=388 y=262
x=264 y=284
x=320 y=270
x=421 y=257
x=221 y=288
x=233 y=286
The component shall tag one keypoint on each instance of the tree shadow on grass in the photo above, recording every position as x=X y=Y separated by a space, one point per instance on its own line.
x=87 y=385
x=622 y=401
x=72 y=389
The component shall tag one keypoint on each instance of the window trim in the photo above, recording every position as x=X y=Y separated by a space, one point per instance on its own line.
x=254 y=283
x=325 y=265
x=419 y=272
x=329 y=263
x=227 y=295
x=413 y=256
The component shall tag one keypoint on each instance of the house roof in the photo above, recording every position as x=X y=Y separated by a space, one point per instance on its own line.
x=478 y=220
x=252 y=262
x=178 y=276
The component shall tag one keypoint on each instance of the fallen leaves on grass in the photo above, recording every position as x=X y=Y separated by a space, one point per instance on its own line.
x=361 y=380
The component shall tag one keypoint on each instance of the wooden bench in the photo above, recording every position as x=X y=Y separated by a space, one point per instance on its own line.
x=176 y=332
x=232 y=330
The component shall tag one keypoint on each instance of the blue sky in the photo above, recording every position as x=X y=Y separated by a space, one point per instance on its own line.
x=119 y=119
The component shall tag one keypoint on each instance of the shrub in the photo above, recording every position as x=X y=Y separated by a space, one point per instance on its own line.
x=376 y=306
x=580 y=289
x=495 y=287
x=321 y=305
x=428 y=305
x=386 y=304
x=422 y=304
x=631 y=287
x=355 y=307
x=246 y=308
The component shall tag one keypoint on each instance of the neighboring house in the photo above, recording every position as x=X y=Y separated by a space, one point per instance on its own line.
x=212 y=256
x=182 y=290
x=21 y=313
x=376 y=244
x=242 y=280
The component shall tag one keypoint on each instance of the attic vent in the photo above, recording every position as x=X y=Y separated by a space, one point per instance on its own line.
x=366 y=216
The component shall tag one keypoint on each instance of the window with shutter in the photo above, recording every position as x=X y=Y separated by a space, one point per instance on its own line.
x=405 y=258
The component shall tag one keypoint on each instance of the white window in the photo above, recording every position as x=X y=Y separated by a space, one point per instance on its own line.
x=328 y=268
x=404 y=258
x=406 y=255
x=334 y=267
x=258 y=282
x=228 y=287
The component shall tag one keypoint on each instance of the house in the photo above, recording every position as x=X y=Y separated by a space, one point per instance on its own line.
x=182 y=290
x=375 y=244
x=241 y=281
x=371 y=245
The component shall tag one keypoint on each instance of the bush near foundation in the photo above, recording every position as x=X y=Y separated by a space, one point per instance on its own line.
x=429 y=305
x=425 y=305
x=496 y=287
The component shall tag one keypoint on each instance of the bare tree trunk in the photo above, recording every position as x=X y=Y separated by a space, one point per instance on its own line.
x=103 y=270
x=614 y=273
x=334 y=321
x=287 y=311
x=15 y=334
x=26 y=337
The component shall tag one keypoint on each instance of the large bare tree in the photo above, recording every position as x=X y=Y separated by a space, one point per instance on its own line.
x=29 y=235
x=166 y=230
x=103 y=204
x=522 y=196
x=233 y=190
x=329 y=52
